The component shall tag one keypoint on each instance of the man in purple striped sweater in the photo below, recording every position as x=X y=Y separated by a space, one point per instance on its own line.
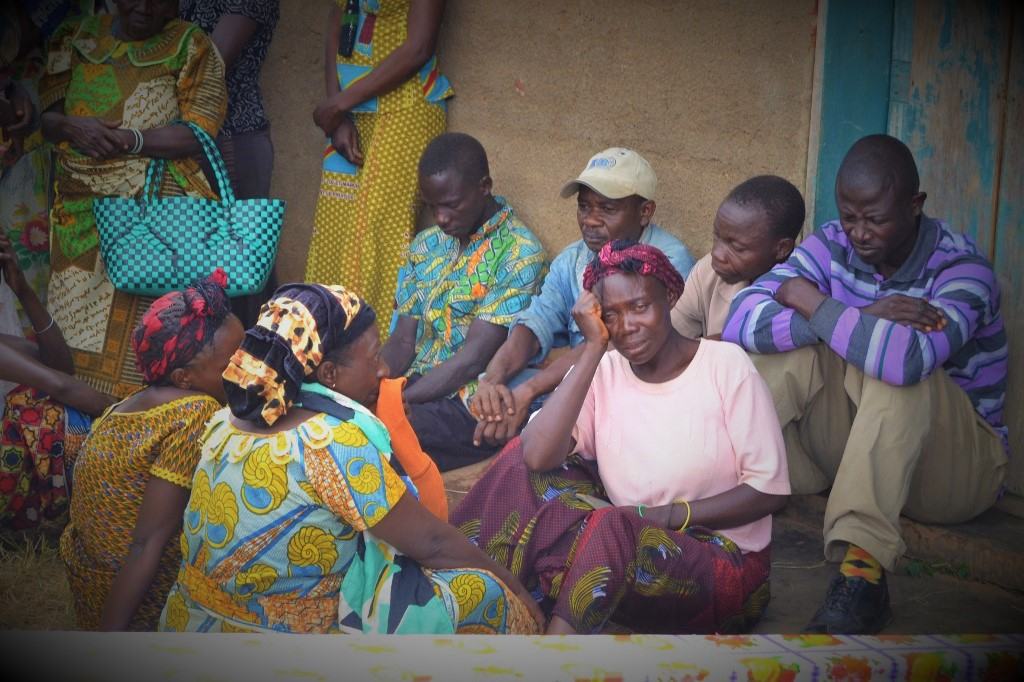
x=883 y=346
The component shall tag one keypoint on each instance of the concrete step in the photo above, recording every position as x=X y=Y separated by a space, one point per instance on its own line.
x=989 y=548
x=937 y=603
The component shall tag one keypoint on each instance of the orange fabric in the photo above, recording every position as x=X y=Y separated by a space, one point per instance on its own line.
x=417 y=464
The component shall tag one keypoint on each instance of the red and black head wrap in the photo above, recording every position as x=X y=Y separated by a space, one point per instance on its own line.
x=178 y=326
x=628 y=255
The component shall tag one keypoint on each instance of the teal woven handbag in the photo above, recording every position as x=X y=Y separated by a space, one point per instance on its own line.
x=152 y=245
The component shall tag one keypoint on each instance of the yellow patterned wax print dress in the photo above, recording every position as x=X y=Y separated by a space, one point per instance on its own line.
x=109 y=478
x=176 y=74
x=278 y=526
x=366 y=216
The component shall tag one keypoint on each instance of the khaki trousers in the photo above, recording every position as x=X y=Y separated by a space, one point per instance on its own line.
x=918 y=450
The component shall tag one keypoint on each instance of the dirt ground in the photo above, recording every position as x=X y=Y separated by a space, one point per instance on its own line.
x=34 y=594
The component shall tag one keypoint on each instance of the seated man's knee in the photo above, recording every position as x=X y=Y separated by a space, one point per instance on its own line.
x=779 y=370
x=911 y=401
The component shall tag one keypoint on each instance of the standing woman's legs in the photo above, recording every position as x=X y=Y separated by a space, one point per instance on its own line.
x=364 y=222
x=249 y=159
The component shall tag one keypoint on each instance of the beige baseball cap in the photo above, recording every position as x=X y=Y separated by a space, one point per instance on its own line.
x=616 y=173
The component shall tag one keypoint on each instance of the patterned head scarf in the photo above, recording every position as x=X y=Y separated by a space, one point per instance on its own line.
x=297 y=329
x=178 y=326
x=628 y=255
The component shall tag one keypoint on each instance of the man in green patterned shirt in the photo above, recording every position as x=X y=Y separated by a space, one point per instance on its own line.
x=466 y=279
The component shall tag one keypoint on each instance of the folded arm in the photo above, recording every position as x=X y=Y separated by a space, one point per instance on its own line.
x=102 y=138
x=760 y=323
x=907 y=349
x=482 y=341
x=423 y=26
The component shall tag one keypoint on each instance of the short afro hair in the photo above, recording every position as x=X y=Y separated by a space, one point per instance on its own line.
x=778 y=198
x=880 y=161
x=459 y=153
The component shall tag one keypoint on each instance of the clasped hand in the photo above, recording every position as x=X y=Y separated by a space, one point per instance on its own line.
x=909 y=310
x=500 y=411
x=99 y=138
x=800 y=293
x=327 y=116
x=345 y=139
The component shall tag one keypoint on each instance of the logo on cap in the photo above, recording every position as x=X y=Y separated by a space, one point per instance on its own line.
x=601 y=162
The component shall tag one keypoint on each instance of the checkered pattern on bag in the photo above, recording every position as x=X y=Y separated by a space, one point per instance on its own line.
x=152 y=245
x=155 y=249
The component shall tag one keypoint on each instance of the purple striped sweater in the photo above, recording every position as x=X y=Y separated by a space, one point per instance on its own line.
x=944 y=267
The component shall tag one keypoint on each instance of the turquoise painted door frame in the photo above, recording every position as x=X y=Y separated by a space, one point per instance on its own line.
x=935 y=74
x=855 y=80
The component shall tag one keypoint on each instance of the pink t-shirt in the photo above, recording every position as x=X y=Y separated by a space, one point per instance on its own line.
x=708 y=430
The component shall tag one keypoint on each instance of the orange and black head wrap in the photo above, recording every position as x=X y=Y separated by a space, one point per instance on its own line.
x=627 y=255
x=297 y=329
x=178 y=326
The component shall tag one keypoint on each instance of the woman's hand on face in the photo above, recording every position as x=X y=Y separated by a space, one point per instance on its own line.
x=587 y=313
x=98 y=138
x=345 y=139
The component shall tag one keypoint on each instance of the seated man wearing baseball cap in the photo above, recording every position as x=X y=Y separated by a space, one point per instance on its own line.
x=614 y=200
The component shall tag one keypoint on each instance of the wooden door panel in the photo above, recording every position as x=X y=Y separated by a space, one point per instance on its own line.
x=955 y=105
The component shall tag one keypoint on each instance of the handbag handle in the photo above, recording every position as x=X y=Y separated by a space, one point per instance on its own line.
x=155 y=172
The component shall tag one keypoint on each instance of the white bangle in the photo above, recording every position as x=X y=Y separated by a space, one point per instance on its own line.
x=46 y=328
x=138 y=141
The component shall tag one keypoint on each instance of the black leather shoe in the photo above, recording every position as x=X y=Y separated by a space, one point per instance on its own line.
x=852 y=606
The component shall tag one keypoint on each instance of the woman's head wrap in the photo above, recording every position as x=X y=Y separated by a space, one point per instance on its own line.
x=178 y=326
x=297 y=329
x=628 y=255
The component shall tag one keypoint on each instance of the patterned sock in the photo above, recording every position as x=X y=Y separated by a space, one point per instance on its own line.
x=859 y=564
